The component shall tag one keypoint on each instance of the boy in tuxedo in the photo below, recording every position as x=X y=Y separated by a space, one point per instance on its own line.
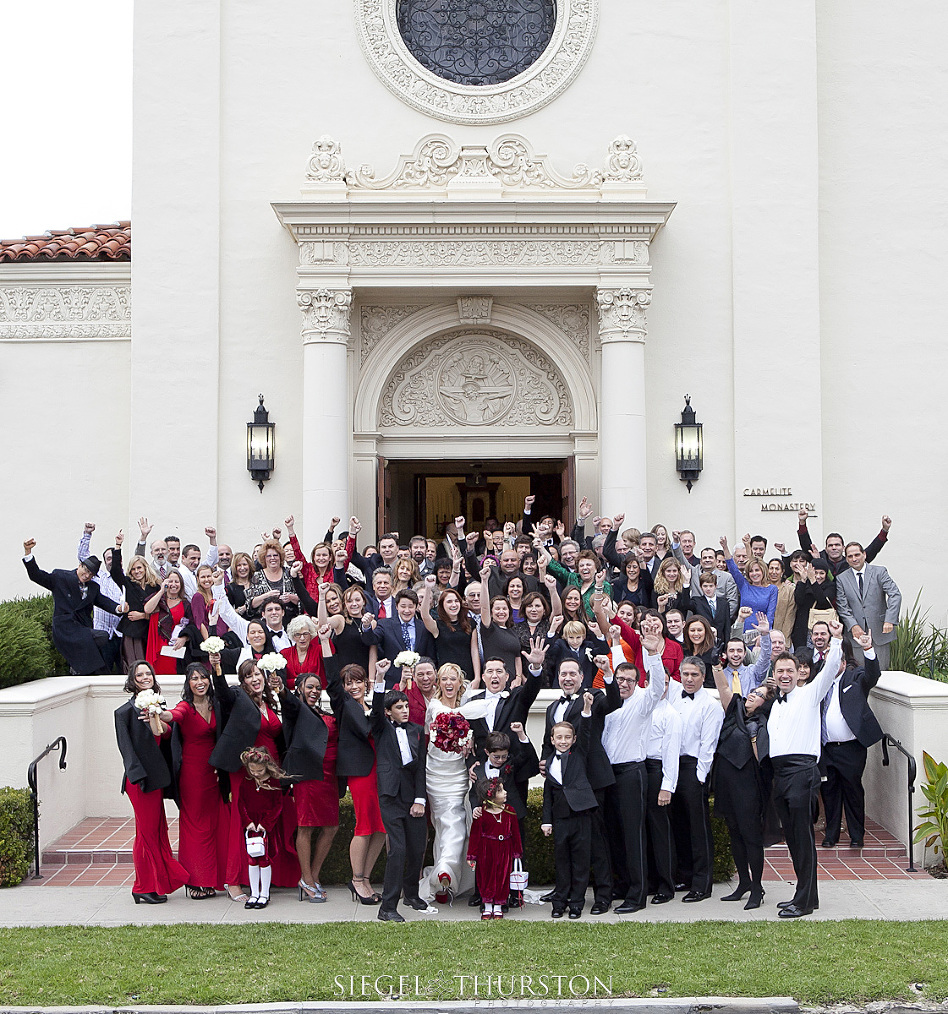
x=568 y=805
x=400 y=771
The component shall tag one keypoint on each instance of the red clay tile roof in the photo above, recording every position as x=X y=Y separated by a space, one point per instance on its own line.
x=90 y=243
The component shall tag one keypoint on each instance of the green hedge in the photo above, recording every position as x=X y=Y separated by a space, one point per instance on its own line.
x=539 y=849
x=16 y=835
x=26 y=642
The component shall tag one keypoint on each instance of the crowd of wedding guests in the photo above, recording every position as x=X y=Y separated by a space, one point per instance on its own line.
x=405 y=673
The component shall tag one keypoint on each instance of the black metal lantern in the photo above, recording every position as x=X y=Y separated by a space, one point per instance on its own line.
x=260 y=445
x=689 y=445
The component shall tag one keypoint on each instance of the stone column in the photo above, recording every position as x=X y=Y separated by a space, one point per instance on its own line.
x=622 y=330
x=326 y=415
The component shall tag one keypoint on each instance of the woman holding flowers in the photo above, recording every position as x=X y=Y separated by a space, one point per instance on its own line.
x=447 y=780
x=141 y=736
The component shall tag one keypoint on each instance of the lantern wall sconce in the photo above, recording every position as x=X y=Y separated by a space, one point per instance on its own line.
x=689 y=445
x=260 y=445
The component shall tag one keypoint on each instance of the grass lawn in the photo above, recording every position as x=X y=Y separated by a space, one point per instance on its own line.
x=813 y=962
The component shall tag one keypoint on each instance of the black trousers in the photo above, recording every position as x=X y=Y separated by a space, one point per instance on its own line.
x=796 y=781
x=571 y=852
x=405 y=846
x=658 y=832
x=629 y=796
x=599 y=858
x=691 y=823
x=845 y=763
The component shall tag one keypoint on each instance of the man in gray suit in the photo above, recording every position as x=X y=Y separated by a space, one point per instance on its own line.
x=868 y=599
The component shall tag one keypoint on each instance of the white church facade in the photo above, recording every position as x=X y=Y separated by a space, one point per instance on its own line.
x=457 y=278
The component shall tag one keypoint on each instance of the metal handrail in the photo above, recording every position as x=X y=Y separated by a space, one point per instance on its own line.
x=888 y=741
x=31 y=779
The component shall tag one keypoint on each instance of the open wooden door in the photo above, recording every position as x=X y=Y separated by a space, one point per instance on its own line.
x=569 y=492
x=383 y=497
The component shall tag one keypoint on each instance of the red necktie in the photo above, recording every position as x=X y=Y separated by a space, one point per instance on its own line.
x=382 y=610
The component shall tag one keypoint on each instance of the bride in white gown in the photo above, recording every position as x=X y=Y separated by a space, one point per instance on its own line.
x=448 y=784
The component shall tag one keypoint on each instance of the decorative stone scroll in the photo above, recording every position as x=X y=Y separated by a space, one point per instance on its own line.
x=622 y=314
x=376 y=322
x=571 y=318
x=66 y=311
x=325 y=162
x=475 y=309
x=554 y=70
x=475 y=378
x=325 y=314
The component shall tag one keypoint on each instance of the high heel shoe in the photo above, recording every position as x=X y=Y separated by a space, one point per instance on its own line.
x=756 y=899
x=307 y=891
x=150 y=898
x=738 y=892
x=373 y=899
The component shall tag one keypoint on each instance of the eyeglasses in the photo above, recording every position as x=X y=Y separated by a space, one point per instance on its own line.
x=625 y=679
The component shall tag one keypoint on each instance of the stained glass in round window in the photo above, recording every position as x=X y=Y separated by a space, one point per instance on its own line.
x=476 y=42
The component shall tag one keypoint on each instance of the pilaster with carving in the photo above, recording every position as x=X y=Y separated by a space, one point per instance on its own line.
x=622 y=314
x=325 y=315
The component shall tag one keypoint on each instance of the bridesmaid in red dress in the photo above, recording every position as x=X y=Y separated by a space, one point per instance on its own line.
x=147 y=779
x=205 y=816
x=166 y=609
x=304 y=655
x=312 y=748
x=347 y=687
x=251 y=718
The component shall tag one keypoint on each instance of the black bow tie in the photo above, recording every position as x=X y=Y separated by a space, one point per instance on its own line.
x=566 y=698
x=562 y=756
x=782 y=698
x=685 y=693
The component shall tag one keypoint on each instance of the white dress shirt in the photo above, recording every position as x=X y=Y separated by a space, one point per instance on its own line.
x=281 y=639
x=493 y=702
x=835 y=727
x=793 y=725
x=625 y=731
x=664 y=742
x=701 y=721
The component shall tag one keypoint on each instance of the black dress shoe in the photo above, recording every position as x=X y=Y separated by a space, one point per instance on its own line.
x=681 y=887
x=600 y=908
x=789 y=904
x=575 y=913
x=628 y=906
x=418 y=904
x=828 y=843
x=793 y=912
x=661 y=899
x=558 y=913
x=696 y=896
x=547 y=897
x=474 y=900
x=858 y=843
x=392 y=916
x=149 y=899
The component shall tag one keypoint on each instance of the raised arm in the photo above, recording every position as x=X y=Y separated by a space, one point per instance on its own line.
x=723 y=684
x=425 y=606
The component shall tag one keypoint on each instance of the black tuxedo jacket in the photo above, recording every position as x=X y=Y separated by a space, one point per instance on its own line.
x=397 y=780
x=390 y=640
x=72 y=615
x=721 y=620
x=522 y=764
x=356 y=756
x=576 y=788
x=854 y=687
x=513 y=708
x=145 y=759
x=306 y=737
x=598 y=768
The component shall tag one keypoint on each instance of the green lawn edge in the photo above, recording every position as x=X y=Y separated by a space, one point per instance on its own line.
x=853 y=961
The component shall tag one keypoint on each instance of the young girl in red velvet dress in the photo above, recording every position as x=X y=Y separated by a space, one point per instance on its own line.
x=493 y=846
x=260 y=805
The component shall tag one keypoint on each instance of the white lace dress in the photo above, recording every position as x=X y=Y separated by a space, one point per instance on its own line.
x=448 y=785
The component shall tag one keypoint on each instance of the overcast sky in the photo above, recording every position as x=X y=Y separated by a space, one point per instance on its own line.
x=66 y=152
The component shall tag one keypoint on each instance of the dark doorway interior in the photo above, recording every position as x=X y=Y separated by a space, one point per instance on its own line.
x=420 y=497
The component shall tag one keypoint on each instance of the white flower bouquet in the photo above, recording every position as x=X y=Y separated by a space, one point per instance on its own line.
x=213 y=645
x=151 y=702
x=409 y=658
x=273 y=661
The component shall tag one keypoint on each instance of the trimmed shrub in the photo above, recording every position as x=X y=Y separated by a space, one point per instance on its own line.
x=16 y=835
x=538 y=848
x=26 y=642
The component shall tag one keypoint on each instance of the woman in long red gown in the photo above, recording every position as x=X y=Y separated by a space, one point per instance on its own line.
x=251 y=718
x=166 y=609
x=147 y=778
x=205 y=816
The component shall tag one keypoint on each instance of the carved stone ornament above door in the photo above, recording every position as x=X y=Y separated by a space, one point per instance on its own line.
x=543 y=80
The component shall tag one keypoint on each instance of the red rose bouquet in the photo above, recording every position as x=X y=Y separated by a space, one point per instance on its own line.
x=450 y=732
